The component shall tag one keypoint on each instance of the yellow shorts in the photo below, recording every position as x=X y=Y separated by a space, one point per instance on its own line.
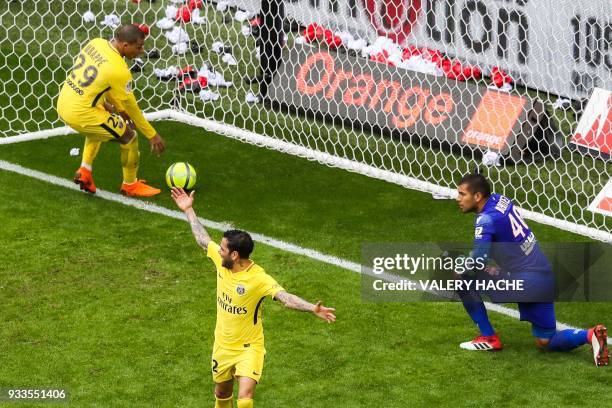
x=112 y=128
x=228 y=364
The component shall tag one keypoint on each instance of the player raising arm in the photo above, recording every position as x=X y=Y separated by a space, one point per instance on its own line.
x=97 y=100
x=242 y=286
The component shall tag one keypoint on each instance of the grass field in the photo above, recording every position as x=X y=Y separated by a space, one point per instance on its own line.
x=117 y=305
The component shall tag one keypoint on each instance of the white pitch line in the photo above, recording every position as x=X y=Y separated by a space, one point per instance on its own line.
x=219 y=226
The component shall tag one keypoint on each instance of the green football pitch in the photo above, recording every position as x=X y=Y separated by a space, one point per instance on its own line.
x=117 y=305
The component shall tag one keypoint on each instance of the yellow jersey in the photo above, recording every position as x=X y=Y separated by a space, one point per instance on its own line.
x=99 y=73
x=239 y=302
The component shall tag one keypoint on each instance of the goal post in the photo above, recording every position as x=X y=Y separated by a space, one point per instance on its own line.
x=415 y=92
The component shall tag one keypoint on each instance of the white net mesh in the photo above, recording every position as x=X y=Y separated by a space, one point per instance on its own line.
x=399 y=85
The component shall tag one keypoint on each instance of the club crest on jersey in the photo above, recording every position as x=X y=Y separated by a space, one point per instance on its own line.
x=240 y=289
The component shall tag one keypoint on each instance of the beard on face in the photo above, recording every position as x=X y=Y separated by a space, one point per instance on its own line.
x=469 y=209
x=227 y=263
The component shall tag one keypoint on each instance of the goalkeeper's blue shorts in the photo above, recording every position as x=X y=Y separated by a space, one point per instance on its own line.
x=541 y=315
x=535 y=302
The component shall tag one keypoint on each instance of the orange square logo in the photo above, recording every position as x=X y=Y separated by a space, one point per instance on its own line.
x=494 y=119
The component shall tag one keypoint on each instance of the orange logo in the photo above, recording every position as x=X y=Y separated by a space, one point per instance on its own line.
x=494 y=119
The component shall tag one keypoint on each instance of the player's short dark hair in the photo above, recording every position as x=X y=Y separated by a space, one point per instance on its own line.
x=239 y=241
x=129 y=33
x=477 y=183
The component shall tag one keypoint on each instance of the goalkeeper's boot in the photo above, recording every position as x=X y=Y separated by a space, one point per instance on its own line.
x=483 y=343
x=139 y=189
x=84 y=179
x=599 y=342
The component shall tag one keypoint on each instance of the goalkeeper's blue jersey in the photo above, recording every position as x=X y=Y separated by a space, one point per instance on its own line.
x=502 y=235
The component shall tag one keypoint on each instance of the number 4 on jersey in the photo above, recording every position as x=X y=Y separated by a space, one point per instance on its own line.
x=518 y=225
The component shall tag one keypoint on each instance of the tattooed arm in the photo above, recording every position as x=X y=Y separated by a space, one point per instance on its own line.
x=294 y=302
x=185 y=203
x=200 y=234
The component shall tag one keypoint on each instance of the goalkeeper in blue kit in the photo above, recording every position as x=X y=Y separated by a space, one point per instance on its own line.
x=502 y=235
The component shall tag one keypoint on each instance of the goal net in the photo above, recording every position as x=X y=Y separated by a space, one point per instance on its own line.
x=417 y=92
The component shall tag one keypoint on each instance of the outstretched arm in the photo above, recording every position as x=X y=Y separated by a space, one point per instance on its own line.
x=294 y=302
x=185 y=204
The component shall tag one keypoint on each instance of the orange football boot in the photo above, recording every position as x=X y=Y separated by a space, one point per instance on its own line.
x=84 y=179
x=139 y=189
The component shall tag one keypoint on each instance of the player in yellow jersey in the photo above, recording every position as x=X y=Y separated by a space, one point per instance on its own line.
x=242 y=286
x=97 y=100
